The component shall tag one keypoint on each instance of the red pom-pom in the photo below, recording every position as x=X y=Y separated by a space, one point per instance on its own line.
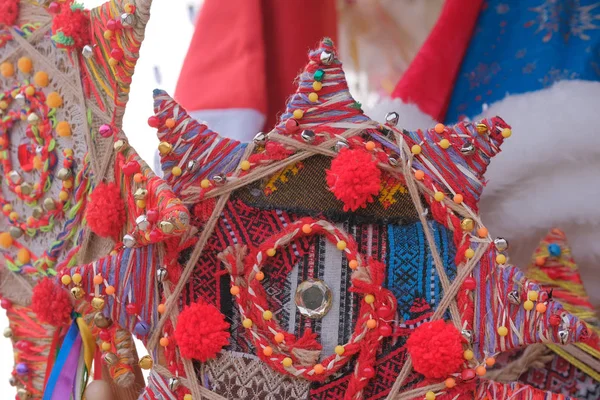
x=9 y=11
x=354 y=178
x=436 y=349
x=201 y=332
x=71 y=26
x=51 y=303
x=105 y=213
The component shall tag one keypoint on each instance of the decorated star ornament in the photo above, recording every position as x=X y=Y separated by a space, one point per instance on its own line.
x=298 y=269
x=73 y=190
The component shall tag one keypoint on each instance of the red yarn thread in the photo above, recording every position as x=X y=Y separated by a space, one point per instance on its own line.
x=9 y=11
x=354 y=178
x=106 y=211
x=51 y=303
x=436 y=349
x=201 y=332
x=74 y=23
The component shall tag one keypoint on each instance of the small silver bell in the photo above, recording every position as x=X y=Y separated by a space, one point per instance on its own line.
x=219 y=179
x=308 y=136
x=14 y=177
x=392 y=118
x=166 y=226
x=128 y=241
x=467 y=149
x=101 y=321
x=127 y=19
x=142 y=223
x=191 y=165
x=513 y=297
x=174 y=384
x=120 y=145
x=140 y=194
x=393 y=161
x=341 y=144
x=110 y=358
x=563 y=335
x=15 y=232
x=37 y=212
x=64 y=173
x=327 y=57
x=161 y=274
x=87 y=51
x=33 y=118
x=49 y=204
x=260 y=139
x=12 y=381
x=20 y=98
x=39 y=149
x=23 y=394
x=8 y=333
x=468 y=335
x=501 y=244
x=26 y=189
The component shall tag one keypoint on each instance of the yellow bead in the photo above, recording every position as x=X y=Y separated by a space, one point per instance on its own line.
x=66 y=280
x=25 y=65
x=128 y=8
x=287 y=362
x=528 y=305
x=7 y=208
x=68 y=152
x=317 y=85
x=468 y=355
x=245 y=165
x=444 y=143
x=68 y=184
x=267 y=315
x=7 y=69
x=23 y=256
x=369 y=299
x=298 y=114
x=113 y=62
x=176 y=171
x=6 y=240
x=106 y=346
x=107 y=34
x=247 y=323
x=271 y=252
x=438 y=196
x=429 y=396
x=3 y=105
x=532 y=295
x=506 y=133
x=469 y=253
x=500 y=258
x=63 y=129
x=13 y=215
x=187 y=397
x=54 y=100
x=63 y=196
x=313 y=97
x=77 y=278
x=140 y=203
x=205 y=184
x=41 y=79
x=502 y=331
x=339 y=350
x=341 y=245
x=30 y=91
x=415 y=149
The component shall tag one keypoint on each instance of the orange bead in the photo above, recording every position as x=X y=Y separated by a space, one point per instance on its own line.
x=450 y=383
x=107 y=34
x=170 y=123
x=260 y=276
x=161 y=308
x=23 y=256
x=319 y=369
x=458 y=198
x=482 y=232
x=306 y=229
x=480 y=370
x=7 y=69
x=54 y=100
x=164 y=342
x=271 y=252
x=371 y=324
x=63 y=129
x=370 y=145
x=490 y=361
x=539 y=261
x=541 y=308
x=235 y=290
x=268 y=351
x=98 y=279
x=30 y=91
x=25 y=65
x=138 y=178
x=280 y=337
x=6 y=240
x=353 y=264
x=41 y=79
x=439 y=128
x=110 y=290
x=419 y=175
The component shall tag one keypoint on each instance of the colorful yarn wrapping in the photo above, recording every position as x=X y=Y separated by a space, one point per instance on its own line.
x=9 y=11
x=201 y=332
x=354 y=178
x=71 y=26
x=105 y=213
x=436 y=349
x=51 y=303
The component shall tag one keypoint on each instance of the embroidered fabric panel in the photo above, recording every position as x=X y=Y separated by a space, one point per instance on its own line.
x=560 y=376
x=411 y=272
